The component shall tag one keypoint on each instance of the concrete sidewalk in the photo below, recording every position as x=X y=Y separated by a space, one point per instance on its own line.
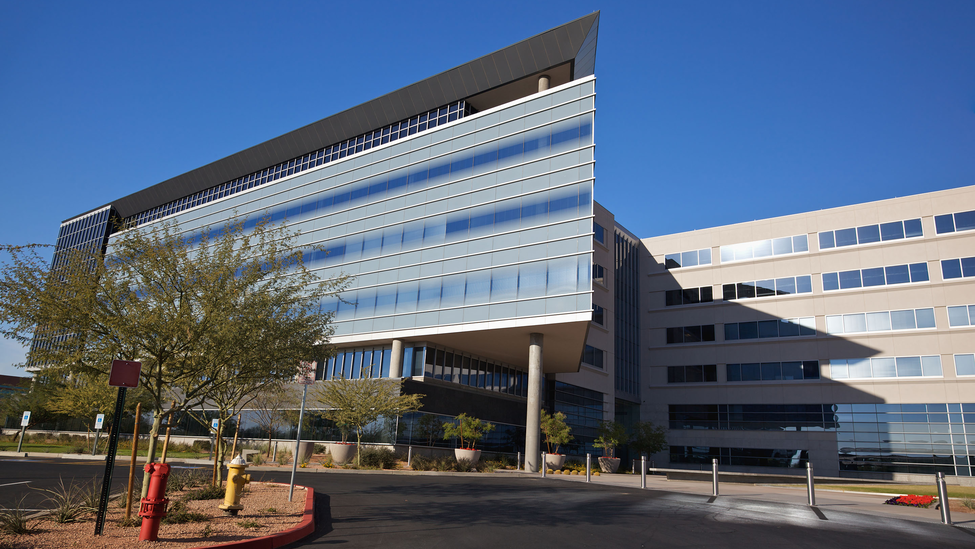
x=855 y=502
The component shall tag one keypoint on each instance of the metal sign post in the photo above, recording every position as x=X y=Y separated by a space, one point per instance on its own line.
x=306 y=378
x=99 y=423
x=124 y=374
x=24 y=422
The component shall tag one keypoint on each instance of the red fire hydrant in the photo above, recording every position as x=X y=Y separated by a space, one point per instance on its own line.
x=153 y=507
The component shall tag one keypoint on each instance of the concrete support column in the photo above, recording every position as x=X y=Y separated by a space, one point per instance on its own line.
x=543 y=82
x=533 y=417
x=396 y=360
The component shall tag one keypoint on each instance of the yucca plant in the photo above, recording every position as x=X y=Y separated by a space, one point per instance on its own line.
x=16 y=521
x=67 y=501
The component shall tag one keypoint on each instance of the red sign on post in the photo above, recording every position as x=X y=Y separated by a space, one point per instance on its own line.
x=125 y=373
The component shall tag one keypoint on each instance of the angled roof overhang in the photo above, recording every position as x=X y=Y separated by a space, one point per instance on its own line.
x=569 y=50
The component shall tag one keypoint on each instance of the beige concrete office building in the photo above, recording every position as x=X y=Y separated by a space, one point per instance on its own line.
x=843 y=337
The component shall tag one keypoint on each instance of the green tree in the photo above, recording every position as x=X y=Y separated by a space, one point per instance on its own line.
x=198 y=309
x=555 y=430
x=359 y=402
x=468 y=429
x=611 y=435
x=648 y=438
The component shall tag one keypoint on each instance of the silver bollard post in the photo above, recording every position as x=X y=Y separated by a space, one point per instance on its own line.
x=409 y=457
x=544 y=465
x=810 y=485
x=274 y=456
x=714 y=477
x=643 y=472
x=943 y=499
x=632 y=466
x=518 y=462
x=588 y=467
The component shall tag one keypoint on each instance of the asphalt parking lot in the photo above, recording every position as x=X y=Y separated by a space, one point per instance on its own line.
x=509 y=510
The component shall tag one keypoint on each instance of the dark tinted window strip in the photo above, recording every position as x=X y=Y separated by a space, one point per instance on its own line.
x=366 y=141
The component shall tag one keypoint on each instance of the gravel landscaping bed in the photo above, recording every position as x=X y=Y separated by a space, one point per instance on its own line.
x=266 y=511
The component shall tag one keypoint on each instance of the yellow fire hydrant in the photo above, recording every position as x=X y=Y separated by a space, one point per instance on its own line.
x=236 y=479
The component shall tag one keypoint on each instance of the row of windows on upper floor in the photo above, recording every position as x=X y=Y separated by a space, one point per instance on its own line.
x=859 y=278
x=853 y=323
x=949 y=223
x=766 y=371
x=553 y=277
x=538 y=209
x=860 y=368
x=540 y=142
x=366 y=141
x=867 y=234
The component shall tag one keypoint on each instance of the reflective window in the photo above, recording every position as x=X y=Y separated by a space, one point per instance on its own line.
x=949 y=223
x=764 y=248
x=598 y=315
x=311 y=160
x=768 y=288
x=880 y=321
x=961 y=315
x=593 y=356
x=878 y=276
x=786 y=327
x=752 y=417
x=773 y=371
x=867 y=234
x=690 y=334
x=689 y=296
x=599 y=233
x=886 y=367
x=746 y=457
x=903 y=438
x=692 y=374
x=598 y=274
x=958 y=268
x=688 y=259
x=965 y=365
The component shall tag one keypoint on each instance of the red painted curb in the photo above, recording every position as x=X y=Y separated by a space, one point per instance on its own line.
x=284 y=537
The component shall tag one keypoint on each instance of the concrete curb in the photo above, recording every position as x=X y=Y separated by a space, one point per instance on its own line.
x=304 y=529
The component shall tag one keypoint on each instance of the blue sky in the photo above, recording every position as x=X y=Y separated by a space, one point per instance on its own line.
x=708 y=112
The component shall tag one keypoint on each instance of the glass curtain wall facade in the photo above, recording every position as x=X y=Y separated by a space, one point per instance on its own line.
x=485 y=218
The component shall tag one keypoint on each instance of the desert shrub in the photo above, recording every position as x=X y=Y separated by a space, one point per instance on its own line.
x=179 y=514
x=969 y=503
x=249 y=524
x=201 y=445
x=464 y=465
x=79 y=449
x=257 y=459
x=66 y=502
x=444 y=463
x=327 y=461
x=213 y=491
x=182 y=479
x=420 y=463
x=378 y=458
x=15 y=521
x=284 y=457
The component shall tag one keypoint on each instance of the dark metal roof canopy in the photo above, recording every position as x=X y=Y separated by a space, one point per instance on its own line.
x=573 y=43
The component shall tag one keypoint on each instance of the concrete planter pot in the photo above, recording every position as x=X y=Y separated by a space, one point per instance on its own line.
x=305 y=451
x=342 y=452
x=554 y=461
x=472 y=456
x=609 y=465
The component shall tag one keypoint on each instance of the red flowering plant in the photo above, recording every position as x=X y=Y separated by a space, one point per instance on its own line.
x=911 y=501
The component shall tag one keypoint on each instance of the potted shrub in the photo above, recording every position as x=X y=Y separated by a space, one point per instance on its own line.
x=468 y=430
x=342 y=452
x=556 y=434
x=611 y=435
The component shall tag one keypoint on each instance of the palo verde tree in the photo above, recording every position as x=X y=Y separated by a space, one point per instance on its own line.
x=198 y=309
x=555 y=430
x=359 y=402
x=269 y=405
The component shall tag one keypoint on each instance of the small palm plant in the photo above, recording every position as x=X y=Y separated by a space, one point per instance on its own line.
x=468 y=429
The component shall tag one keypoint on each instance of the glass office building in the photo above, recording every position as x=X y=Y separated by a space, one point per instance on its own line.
x=461 y=206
